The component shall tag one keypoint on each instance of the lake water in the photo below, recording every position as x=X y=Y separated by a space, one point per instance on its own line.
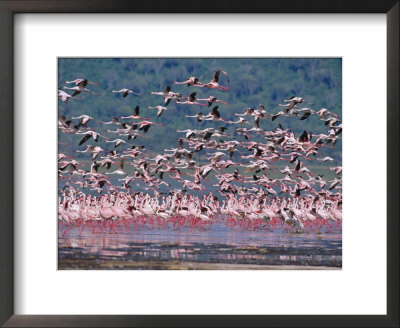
x=215 y=246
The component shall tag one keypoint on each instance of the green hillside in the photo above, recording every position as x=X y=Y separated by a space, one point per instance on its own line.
x=252 y=81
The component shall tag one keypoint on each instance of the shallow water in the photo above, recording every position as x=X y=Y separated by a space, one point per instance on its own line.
x=148 y=247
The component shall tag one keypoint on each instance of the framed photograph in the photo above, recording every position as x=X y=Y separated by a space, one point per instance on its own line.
x=190 y=176
x=203 y=175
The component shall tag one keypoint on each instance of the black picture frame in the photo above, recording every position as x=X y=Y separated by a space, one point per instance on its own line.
x=11 y=7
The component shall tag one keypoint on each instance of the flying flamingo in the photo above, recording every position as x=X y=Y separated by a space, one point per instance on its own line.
x=94 y=150
x=190 y=81
x=135 y=115
x=81 y=82
x=114 y=121
x=83 y=120
x=90 y=134
x=120 y=170
x=78 y=89
x=211 y=100
x=160 y=109
x=214 y=115
x=214 y=82
x=167 y=94
x=145 y=125
x=198 y=116
x=125 y=92
x=116 y=142
x=292 y=101
x=62 y=95
x=191 y=100
x=325 y=159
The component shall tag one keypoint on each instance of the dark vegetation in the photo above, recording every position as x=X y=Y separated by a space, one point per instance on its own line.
x=252 y=82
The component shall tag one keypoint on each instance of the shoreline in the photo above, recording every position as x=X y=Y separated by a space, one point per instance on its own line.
x=93 y=264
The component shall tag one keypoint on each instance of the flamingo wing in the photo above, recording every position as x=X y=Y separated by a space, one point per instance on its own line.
x=192 y=96
x=215 y=77
x=216 y=112
x=85 y=138
x=167 y=100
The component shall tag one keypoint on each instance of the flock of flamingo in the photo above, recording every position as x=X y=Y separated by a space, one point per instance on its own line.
x=270 y=187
